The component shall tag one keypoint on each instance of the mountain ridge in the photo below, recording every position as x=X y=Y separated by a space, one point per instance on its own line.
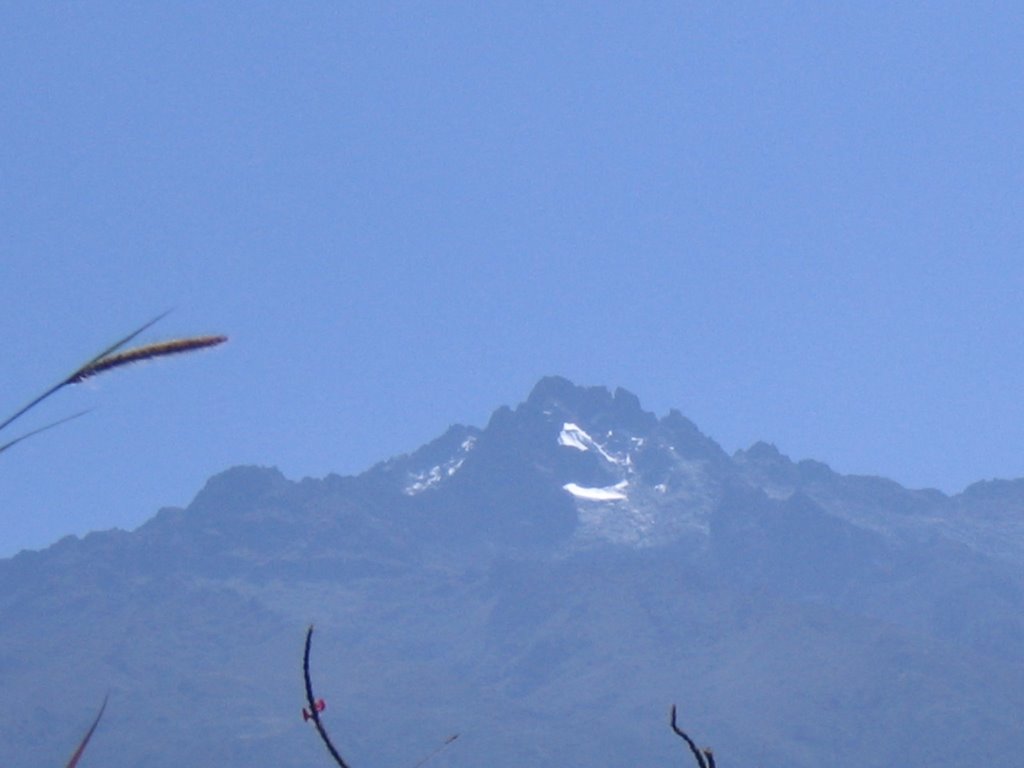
x=548 y=584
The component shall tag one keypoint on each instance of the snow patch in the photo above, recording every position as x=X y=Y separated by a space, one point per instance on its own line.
x=423 y=481
x=611 y=493
x=572 y=436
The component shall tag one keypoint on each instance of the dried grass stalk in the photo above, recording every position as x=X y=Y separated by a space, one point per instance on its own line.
x=145 y=352
x=104 y=361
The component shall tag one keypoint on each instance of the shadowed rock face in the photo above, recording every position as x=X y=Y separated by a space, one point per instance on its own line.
x=546 y=586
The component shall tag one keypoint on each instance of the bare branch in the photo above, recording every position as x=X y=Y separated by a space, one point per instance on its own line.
x=700 y=758
x=314 y=711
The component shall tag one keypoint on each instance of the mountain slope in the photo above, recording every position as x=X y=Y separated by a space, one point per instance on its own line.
x=545 y=586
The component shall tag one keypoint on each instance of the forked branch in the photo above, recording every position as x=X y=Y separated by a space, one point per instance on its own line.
x=704 y=757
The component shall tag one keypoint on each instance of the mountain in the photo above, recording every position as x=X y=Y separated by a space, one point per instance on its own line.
x=545 y=586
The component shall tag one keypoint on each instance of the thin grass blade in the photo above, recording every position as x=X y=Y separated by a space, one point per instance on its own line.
x=441 y=748
x=109 y=350
x=88 y=735
x=51 y=425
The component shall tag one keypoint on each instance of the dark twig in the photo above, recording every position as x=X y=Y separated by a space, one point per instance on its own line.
x=88 y=735
x=441 y=748
x=702 y=759
x=314 y=711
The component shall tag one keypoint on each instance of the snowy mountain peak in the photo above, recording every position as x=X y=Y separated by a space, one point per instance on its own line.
x=568 y=522
x=590 y=467
x=513 y=573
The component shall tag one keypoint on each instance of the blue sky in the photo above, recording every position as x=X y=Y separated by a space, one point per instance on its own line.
x=798 y=222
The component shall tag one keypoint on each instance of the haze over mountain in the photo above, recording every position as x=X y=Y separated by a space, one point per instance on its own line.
x=545 y=586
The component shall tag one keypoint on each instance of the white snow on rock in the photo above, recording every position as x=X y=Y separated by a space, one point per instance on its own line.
x=423 y=481
x=628 y=510
x=611 y=493
x=573 y=436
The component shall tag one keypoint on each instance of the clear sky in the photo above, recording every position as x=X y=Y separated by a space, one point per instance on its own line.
x=797 y=222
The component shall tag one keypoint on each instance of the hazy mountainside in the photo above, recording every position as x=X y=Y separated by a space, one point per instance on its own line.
x=545 y=586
